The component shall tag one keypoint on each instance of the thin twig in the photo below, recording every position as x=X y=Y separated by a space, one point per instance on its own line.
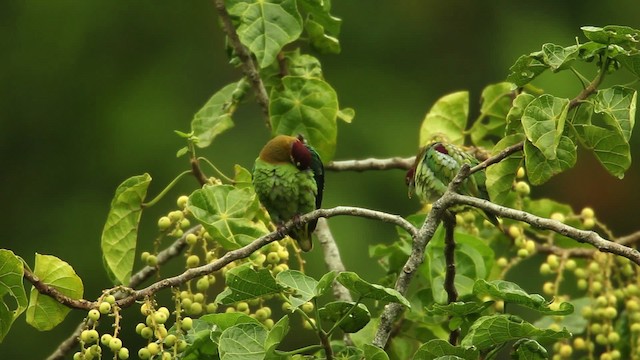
x=248 y=65
x=371 y=164
x=449 y=222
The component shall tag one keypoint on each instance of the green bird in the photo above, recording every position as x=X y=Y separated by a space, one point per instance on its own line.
x=288 y=177
x=435 y=167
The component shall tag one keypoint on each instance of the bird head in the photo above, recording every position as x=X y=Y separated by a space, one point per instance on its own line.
x=287 y=149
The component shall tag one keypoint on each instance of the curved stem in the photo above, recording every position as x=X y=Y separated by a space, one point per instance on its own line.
x=225 y=177
x=166 y=189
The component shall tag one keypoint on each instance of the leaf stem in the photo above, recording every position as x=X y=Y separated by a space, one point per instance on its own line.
x=166 y=189
x=220 y=173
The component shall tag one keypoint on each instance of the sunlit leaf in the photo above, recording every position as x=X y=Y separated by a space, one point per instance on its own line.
x=446 y=120
x=489 y=331
x=511 y=292
x=120 y=233
x=44 y=312
x=611 y=34
x=364 y=289
x=215 y=116
x=540 y=169
x=559 y=57
x=303 y=286
x=245 y=283
x=325 y=283
x=514 y=117
x=307 y=106
x=458 y=308
x=527 y=349
x=276 y=335
x=226 y=212
x=501 y=176
x=618 y=105
x=266 y=26
x=372 y=352
x=322 y=27
x=543 y=121
x=243 y=342
x=12 y=294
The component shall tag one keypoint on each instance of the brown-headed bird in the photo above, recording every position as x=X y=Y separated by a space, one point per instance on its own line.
x=288 y=177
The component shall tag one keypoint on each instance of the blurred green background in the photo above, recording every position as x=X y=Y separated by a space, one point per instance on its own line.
x=91 y=91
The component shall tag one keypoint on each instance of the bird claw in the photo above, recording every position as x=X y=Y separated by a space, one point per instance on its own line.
x=281 y=231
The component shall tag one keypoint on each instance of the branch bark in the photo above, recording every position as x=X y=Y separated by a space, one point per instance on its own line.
x=371 y=164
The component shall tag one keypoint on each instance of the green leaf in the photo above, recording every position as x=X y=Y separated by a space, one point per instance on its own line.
x=618 y=105
x=436 y=348
x=558 y=57
x=574 y=322
x=446 y=120
x=474 y=260
x=44 y=312
x=612 y=34
x=202 y=340
x=609 y=147
x=540 y=169
x=246 y=283
x=226 y=212
x=372 y=352
x=120 y=233
x=364 y=290
x=489 y=331
x=304 y=286
x=322 y=27
x=631 y=63
x=276 y=334
x=527 y=349
x=242 y=177
x=307 y=106
x=496 y=102
x=243 y=342
x=11 y=273
x=346 y=115
x=543 y=120
x=358 y=315
x=215 y=116
x=303 y=65
x=513 y=293
x=514 y=117
x=266 y=26
x=500 y=176
x=325 y=283
x=458 y=308
x=525 y=69
x=226 y=320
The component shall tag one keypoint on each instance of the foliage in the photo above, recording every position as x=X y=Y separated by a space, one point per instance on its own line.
x=464 y=314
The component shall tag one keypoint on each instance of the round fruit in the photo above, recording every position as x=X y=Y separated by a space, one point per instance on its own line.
x=164 y=223
x=182 y=201
x=94 y=314
x=123 y=354
x=104 y=307
x=186 y=324
x=115 y=344
x=193 y=261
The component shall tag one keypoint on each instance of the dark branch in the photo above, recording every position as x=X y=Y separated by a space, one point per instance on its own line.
x=449 y=222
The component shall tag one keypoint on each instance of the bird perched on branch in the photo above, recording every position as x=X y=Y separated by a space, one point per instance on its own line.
x=288 y=177
x=435 y=167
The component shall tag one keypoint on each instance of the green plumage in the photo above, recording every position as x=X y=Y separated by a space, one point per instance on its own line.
x=436 y=166
x=291 y=185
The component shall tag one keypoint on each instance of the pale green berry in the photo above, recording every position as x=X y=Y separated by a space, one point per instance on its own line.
x=309 y=324
x=153 y=348
x=198 y=297
x=613 y=337
x=144 y=353
x=164 y=310
x=115 y=344
x=502 y=262
x=273 y=258
x=514 y=231
x=184 y=224
x=182 y=201
x=123 y=354
x=570 y=265
x=565 y=351
x=89 y=336
x=579 y=343
x=186 y=324
x=545 y=269
x=589 y=223
x=558 y=217
x=307 y=307
x=522 y=188
x=268 y=323
x=160 y=317
x=191 y=239
x=549 y=288
x=202 y=284
x=176 y=215
x=610 y=312
x=166 y=356
x=164 y=223
x=212 y=308
x=193 y=261
x=587 y=213
x=186 y=303
x=161 y=332
x=520 y=173
x=110 y=299
x=78 y=356
x=261 y=315
x=170 y=340
x=104 y=307
x=94 y=314
x=182 y=345
x=105 y=339
x=523 y=253
x=152 y=260
x=139 y=328
x=146 y=332
x=242 y=306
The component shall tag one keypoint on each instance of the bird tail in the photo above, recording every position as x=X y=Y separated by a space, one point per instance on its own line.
x=303 y=235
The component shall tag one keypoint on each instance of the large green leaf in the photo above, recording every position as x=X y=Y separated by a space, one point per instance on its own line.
x=525 y=69
x=474 y=260
x=321 y=26
x=276 y=334
x=558 y=57
x=434 y=349
x=372 y=352
x=215 y=116
x=458 y=308
x=528 y=349
x=307 y=106
x=618 y=105
x=44 y=312
x=446 y=120
x=513 y=293
x=120 y=233
x=226 y=212
x=612 y=34
x=303 y=286
x=364 y=290
x=325 y=283
x=489 y=331
x=11 y=288
x=574 y=322
x=243 y=342
x=632 y=63
x=514 y=117
x=245 y=283
x=202 y=340
x=500 y=176
x=496 y=102
x=540 y=168
x=350 y=316
x=266 y=26
x=543 y=120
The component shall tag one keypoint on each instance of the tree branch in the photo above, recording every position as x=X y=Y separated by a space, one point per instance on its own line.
x=248 y=65
x=371 y=164
x=449 y=222
x=332 y=258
